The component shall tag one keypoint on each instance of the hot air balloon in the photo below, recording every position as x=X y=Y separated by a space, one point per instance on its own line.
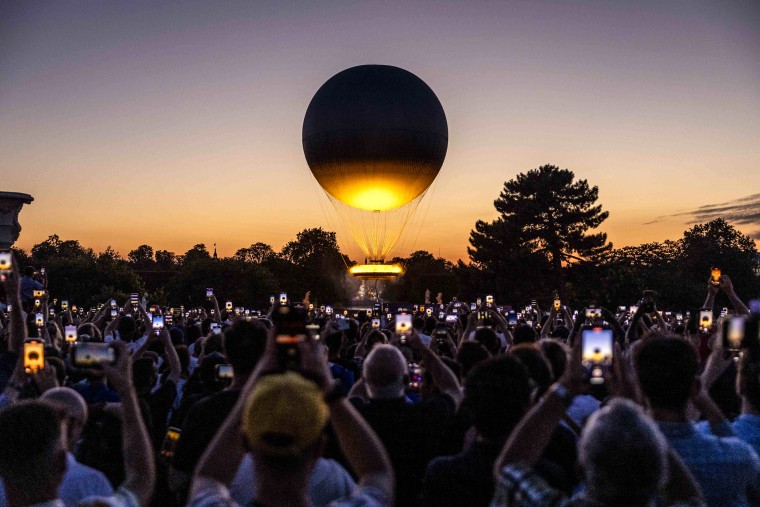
x=375 y=137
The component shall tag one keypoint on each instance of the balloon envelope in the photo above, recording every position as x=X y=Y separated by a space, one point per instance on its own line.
x=375 y=137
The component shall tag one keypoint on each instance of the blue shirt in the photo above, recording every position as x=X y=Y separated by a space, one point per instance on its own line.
x=726 y=469
x=28 y=286
x=747 y=428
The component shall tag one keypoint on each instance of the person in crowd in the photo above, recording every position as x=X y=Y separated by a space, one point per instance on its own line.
x=623 y=456
x=281 y=417
x=244 y=344
x=411 y=433
x=29 y=284
x=727 y=470
x=34 y=446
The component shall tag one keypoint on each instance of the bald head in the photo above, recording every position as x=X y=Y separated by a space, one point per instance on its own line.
x=385 y=372
x=74 y=406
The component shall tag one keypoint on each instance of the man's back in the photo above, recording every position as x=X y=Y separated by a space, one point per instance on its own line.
x=411 y=435
x=201 y=424
x=725 y=468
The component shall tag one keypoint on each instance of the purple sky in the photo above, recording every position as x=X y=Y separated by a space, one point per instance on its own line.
x=174 y=123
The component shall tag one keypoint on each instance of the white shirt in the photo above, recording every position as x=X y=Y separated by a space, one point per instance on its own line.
x=329 y=481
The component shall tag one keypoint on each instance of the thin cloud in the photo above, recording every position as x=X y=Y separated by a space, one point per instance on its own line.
x=744 y=211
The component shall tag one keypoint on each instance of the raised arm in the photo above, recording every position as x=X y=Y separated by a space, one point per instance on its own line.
x=139 y=471
x=17 y=332
x=728 y=288
x=443 y=377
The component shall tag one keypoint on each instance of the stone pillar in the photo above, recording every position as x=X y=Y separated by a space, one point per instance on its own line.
x=10 y=206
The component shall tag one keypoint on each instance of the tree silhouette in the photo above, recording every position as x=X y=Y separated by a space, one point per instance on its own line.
x=544 y=219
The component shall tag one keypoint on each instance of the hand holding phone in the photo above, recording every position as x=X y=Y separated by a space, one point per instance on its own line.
x=596 y=349
x=34 y=356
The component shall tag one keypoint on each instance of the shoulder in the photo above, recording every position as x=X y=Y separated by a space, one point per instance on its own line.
x=365 y=496
x=520 y=485
x=207 y=492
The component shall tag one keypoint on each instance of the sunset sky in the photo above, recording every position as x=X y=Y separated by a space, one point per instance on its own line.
x=176 y=123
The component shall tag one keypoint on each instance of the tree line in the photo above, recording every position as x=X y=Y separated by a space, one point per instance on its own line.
x=543 y=241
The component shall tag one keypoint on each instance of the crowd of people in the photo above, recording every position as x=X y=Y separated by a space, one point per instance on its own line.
x=440 y=404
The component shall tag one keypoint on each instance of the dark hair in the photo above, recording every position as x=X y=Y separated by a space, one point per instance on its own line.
x=666 y=367
x=418 y=323
x=143 y=374
x=488 y=338
x=749 y=376
x=244 y=344
x=127 y=328
x=525 y=334
x=207 y=372
x=556 y=354
x=29 y=271
x=177 y=336
x=496 y=396
x=471 y=353
x=561 y=333
x=534 y=361
x=334 y=341
x=30 y=432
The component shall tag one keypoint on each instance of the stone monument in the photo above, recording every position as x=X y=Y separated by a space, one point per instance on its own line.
x=10 y=206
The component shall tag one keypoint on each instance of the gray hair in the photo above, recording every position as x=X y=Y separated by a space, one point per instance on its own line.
x=623 y=454
x=384 y=371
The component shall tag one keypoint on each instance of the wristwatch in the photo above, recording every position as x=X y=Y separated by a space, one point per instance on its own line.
x=562 y=393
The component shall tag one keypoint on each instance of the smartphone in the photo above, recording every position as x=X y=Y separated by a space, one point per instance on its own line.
x=134 y=299
x=389 y=316
x=290 y=326
x=70 y=333
x=404 y=324
x=473 y=307
x=489 y=300
x=34 y=355
x=283 y=298
x=593 y=313
x=64 y=305
x=51 y=313
x=168 y=319
x=42 y=271
x=596 y=351
x=224 y=372
x=216 y=328
x=415 y=377
x=375 y=323
x=421 y=308
x=170 y=442
x=451 y=319
x=679 y=317
x=705 y=320
x=39 y=293
x=622 y=309
x=271 y=300
x=311 y=307
x=478 y=302
x=441 y=315
x=557 y=305
x=39 y=320
x=429 y=312
x=92 y=355
x=715 y=274
x=114 y=312
x=733 y=334
x=158 y=324
x=6 y=262
x=228 y=306
x=209 y=293
x=328 y=310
